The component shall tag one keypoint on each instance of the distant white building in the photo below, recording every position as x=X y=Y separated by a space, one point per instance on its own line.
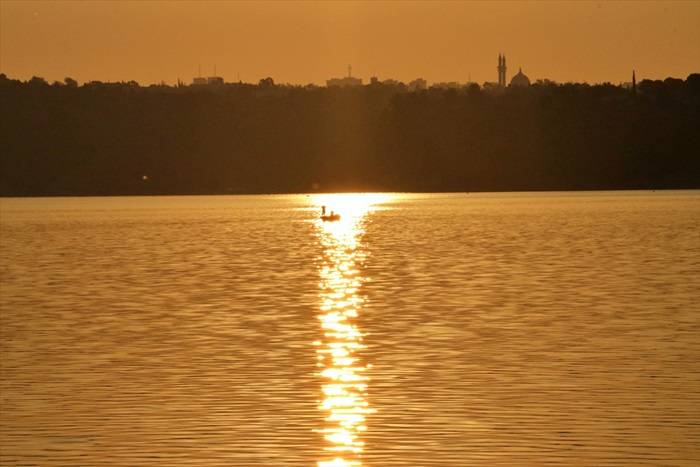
x=349 y=80
x=387 y=82
x=447 y=85
x=208 y=81
x=418 y=84
x=343 y=82
x=391 y=82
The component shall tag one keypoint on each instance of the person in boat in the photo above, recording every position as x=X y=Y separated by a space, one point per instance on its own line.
x=331 y=216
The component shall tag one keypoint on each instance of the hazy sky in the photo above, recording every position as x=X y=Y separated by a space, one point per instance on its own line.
x=302 y=42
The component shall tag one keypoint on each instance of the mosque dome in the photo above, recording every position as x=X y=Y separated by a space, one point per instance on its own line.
x=520 y=79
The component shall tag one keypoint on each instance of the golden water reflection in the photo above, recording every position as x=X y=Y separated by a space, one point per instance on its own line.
x=344 y=375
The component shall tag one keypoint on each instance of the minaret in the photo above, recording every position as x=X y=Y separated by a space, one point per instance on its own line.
x=500 y=64
x=634 y=83
x=498 y=68
x=501 y=70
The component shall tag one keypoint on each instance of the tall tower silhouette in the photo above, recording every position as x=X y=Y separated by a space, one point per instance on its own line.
x=501 y=70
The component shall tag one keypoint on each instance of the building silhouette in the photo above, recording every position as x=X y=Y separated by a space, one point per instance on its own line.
x=418 y=84
x=349 y=80
x=520 y=80
x=502 y=70
x=447 y=85
x=211 y=80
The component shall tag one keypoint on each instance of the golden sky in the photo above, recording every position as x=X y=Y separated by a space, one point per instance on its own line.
x=303 y=42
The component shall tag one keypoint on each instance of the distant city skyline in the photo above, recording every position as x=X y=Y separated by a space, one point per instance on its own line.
x=302 y=42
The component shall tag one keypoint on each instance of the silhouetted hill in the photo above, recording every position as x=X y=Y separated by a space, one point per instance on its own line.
x=121 y=138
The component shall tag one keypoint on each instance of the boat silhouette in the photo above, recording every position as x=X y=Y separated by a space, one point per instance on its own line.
x=332 y=217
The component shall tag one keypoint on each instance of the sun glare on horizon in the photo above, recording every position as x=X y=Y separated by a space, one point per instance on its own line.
x=352 y=204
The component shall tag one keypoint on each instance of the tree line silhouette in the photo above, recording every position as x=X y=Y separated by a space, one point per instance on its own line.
x=123 y=139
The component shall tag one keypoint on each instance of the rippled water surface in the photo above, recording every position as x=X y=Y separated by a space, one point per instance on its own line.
x=419 y=330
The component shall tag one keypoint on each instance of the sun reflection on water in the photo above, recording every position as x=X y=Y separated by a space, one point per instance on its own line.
x=344 y=375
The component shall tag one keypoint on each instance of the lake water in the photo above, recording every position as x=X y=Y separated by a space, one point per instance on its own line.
x=419 y=330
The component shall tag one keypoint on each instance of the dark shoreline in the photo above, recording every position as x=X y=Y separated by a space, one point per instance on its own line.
x=120 y=139
x=504 y=192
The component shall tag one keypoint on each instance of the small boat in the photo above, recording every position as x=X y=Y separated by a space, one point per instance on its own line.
x=332 y=217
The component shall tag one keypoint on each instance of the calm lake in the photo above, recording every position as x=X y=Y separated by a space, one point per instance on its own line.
x=419 y=330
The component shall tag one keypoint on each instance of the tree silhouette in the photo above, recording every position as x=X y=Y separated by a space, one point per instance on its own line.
x=102 y=138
